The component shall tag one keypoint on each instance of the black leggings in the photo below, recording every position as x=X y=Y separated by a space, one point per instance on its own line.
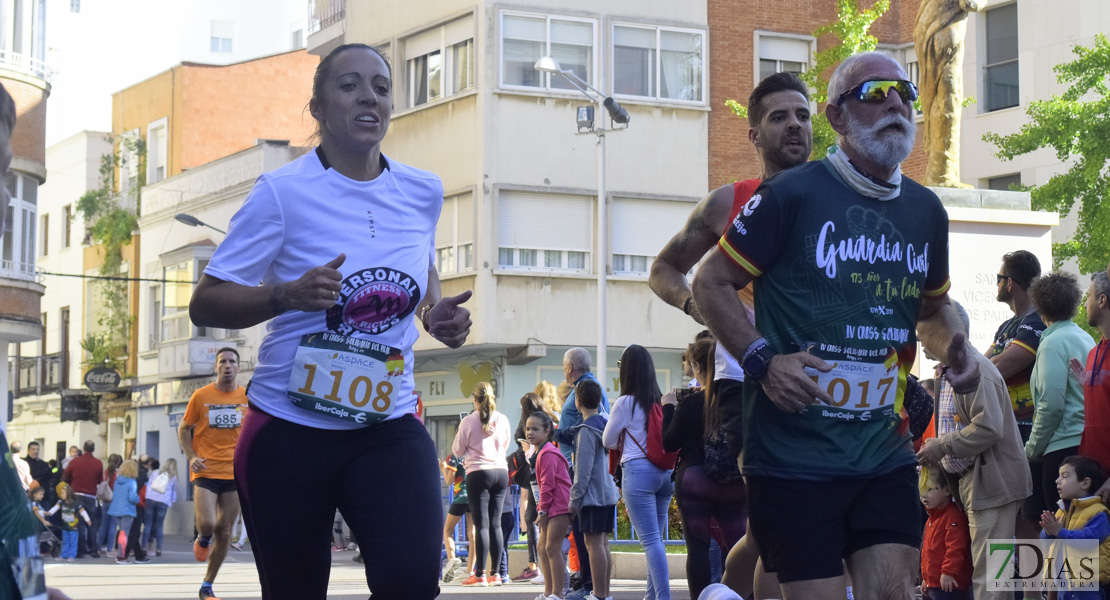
x=507 y=523
x=703 y=501
x=529 y=517
x=486 y=492
x=384 y=480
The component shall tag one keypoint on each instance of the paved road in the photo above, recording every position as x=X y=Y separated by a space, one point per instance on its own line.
x=176 y=576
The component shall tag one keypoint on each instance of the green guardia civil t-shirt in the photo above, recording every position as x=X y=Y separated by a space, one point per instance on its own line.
x=841 y=276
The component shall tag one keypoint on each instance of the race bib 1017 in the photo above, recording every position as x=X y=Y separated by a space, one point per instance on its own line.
x=862 y=387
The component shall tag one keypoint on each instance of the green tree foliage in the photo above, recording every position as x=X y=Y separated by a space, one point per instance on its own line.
x=110 y=223
x=851 y=29
x=1076 y=125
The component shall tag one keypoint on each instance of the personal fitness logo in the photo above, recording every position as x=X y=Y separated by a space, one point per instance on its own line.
x=373 y=300
x=1059 y=564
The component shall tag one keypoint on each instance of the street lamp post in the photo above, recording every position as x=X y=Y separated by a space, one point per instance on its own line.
x=585 y=118
x=195 y=222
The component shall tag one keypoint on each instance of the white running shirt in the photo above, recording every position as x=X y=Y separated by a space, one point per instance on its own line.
x=301 y=216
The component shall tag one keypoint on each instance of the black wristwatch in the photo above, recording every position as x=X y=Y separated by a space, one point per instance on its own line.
x=757 y=361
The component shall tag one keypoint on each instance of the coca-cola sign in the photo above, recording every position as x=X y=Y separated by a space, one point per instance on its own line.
x=102 y=379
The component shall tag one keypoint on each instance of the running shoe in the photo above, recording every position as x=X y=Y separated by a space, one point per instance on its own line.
x=540 y=597
x=578 y=594
x=526 y=575
x=478 y=581
x=201 y=552
x=494 y=580
x=593 y=597
x=122 y=561
x=717 y=591
x=143 y=560
x=538 y=579
x=206 y=593
x=449 y=569
x=505 y=579
x=237 y=546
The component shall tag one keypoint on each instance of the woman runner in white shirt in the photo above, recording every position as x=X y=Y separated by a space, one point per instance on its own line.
x=342 y=241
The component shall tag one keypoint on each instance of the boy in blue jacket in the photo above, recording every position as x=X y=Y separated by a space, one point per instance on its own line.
x=594 y=495
x=1082 y=516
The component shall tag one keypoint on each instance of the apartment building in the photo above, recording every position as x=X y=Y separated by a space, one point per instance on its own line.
x=520 y=222
x=187 y=118
x=1011 y=49
x=51 y=401
x=175 y=358
x=26 y=77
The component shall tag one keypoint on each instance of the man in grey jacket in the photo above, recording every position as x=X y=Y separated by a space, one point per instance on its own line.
x=996 y=483
x=594 y=495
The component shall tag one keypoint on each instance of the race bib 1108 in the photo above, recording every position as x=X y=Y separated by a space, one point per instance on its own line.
x=346 y=378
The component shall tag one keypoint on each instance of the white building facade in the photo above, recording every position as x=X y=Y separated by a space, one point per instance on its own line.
x=520 y=219
x=1011 y=49
x=175 y=357
x=46 y=369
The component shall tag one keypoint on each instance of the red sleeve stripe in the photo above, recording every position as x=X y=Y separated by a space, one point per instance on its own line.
x=738 y=258
x=940 y=291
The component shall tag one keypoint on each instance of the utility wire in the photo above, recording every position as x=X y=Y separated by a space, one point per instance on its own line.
x=107 y=278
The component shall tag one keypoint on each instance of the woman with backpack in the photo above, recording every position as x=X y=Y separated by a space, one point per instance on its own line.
x=635 y=429
x=160 y=495
x=708 y=485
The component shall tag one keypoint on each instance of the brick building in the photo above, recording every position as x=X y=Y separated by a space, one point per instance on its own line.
x=195 y=113
x=752 y=37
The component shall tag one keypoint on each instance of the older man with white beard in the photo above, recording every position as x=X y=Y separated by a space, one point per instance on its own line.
x=849 y=261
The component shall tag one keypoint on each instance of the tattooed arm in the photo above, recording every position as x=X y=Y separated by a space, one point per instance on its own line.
x=700 y=234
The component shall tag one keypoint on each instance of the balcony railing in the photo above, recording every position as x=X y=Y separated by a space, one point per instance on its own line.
x=26 y=64
x=322 y=13
x=14 y=269
x=37 y=375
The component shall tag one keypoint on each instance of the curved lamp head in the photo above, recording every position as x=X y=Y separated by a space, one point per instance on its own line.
x=548 y=64
x=187 y=219
x=195 y=222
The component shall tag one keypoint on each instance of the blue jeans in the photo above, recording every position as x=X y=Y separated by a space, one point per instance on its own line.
x=124 y=522
x=153 y=518
x=87 y=534
x=107 y=529
x=647 y=496
x=69 y=544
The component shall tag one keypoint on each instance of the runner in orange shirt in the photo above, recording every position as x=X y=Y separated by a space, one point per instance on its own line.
x=208 y=434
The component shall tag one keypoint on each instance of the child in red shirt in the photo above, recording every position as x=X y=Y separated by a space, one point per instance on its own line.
x=946 y=547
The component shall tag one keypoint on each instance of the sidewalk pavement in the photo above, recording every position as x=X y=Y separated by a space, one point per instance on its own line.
x=176 y=576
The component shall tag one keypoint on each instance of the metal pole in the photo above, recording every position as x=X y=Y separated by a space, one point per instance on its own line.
x=602 y=251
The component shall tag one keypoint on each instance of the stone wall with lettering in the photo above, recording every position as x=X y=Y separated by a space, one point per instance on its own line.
x=977 y=240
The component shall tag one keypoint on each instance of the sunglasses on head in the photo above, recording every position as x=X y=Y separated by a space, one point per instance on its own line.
x=873 y=92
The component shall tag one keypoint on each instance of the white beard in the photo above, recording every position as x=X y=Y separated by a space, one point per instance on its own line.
x=887 y=149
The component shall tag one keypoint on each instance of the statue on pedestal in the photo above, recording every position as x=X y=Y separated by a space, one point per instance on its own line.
x=938 y=37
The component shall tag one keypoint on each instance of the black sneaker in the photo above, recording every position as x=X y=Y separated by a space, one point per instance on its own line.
x=206 y=593
x=143 y=560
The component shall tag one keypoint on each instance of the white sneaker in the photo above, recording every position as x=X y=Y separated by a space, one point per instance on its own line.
x=593 y=597
x=540 y=597
x=449 y=569
x=718 y=591
x=538 y=579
